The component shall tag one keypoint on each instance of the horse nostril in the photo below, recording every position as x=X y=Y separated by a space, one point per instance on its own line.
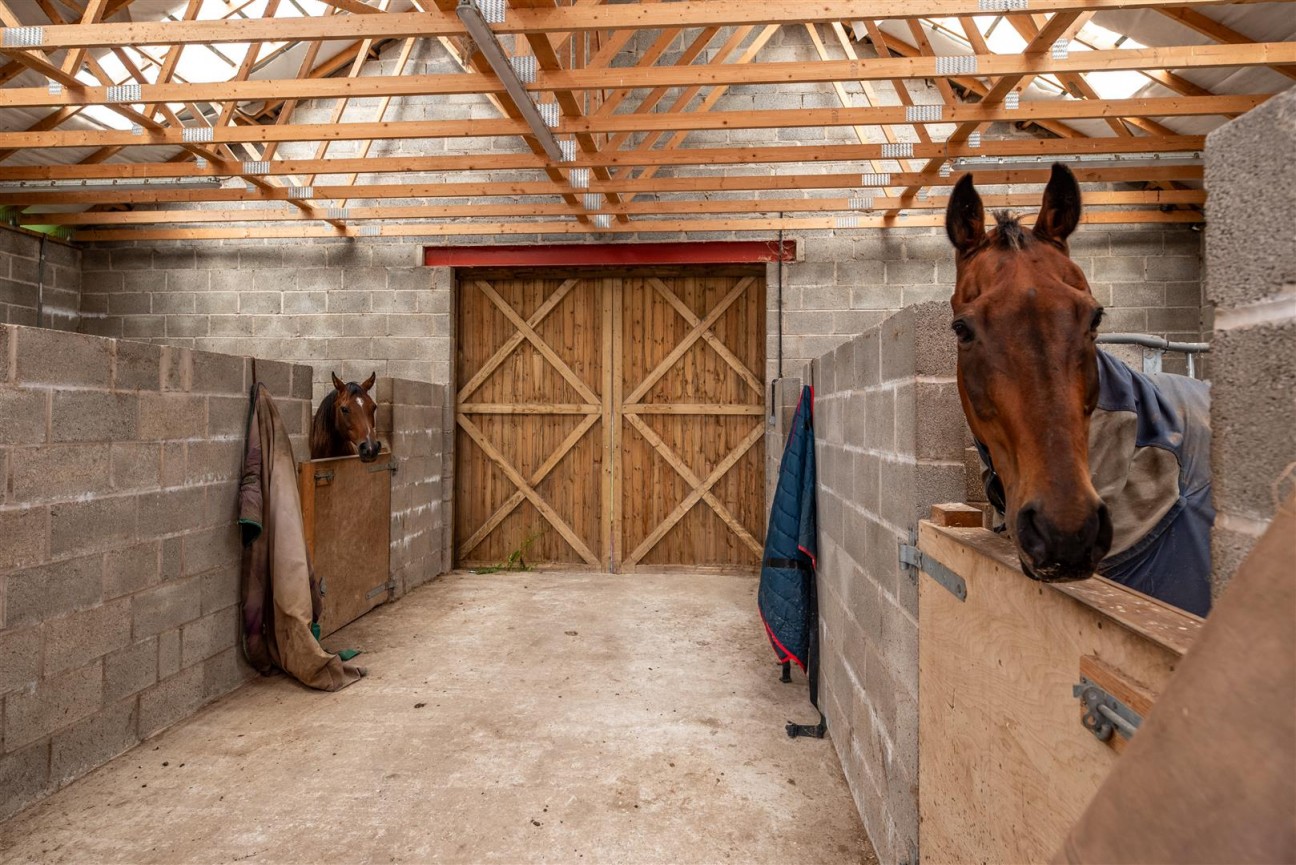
x=1031 y=534
x=1102 y=538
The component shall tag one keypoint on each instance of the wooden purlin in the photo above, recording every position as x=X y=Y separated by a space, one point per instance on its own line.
x=559 y=19
x=484 y=228
x=663 y=185
x=736 y=155
x=1211 y=28
x=706 y=75
x=652 y=208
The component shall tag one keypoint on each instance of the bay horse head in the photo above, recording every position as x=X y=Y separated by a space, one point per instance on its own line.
x=1026 y=323
x=346 y=422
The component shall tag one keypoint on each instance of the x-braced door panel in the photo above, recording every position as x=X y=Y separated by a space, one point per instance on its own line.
x=610 y=421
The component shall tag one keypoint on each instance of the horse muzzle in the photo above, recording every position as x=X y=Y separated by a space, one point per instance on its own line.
x=369 y=450
x=1052 y=555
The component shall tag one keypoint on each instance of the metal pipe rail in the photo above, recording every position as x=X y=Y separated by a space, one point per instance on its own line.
x=1155 y=348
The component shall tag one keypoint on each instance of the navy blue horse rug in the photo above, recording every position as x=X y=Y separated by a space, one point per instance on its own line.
x=787 y=597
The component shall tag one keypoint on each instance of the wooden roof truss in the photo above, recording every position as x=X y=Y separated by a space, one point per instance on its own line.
x=635 y=162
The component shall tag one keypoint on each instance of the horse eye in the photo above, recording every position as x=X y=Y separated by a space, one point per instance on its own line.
x=1097 y=319
x=346 y=410
x=962 y=331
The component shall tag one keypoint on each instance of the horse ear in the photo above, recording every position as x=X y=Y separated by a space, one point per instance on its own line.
x=1060 y=213
x=369 y=382
x=965 y=216
x=337 y=382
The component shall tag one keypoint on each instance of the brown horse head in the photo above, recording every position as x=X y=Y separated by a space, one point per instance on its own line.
x=1026 y=324
x=346 y=422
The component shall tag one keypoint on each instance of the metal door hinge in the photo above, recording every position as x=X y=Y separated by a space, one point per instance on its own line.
x=377 y=590
x=385 y=467
x=1104 y=714
x=915 y=560
x=323 y=478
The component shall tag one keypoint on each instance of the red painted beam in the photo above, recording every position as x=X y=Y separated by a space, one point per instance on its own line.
x=610 y=254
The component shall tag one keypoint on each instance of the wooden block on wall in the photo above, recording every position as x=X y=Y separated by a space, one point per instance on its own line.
x=957 y=515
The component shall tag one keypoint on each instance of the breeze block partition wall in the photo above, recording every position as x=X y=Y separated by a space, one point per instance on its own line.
x=1251 y=280
x=119 y=560
x=890 y=437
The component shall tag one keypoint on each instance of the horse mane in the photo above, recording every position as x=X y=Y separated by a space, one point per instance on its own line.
x=1009 y=233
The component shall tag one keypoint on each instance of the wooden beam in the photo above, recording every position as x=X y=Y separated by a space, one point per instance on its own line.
x=668 y=226
x=1045 y=148
x=674 y=121
x=1213 y=29
x=615 y=78
x=649 y=208
x=623 y=185
x=558 y=19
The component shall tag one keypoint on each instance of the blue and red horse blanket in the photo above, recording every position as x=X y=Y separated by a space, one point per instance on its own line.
x=787 y=597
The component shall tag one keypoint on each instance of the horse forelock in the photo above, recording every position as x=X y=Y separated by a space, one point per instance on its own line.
x=1009 y=233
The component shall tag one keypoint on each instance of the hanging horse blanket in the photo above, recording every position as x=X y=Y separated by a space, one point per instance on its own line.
x=787 y=596
x=1149 y=457
x=280 y=598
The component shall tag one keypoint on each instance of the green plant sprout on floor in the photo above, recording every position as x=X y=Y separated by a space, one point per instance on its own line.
x=516 y=560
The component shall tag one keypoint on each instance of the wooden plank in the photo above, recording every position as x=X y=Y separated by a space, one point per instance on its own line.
x=559 y=19
x=661 y=185
x=1047 y=148
x=647 y=226
x=527 y=408
x=1153 y=620
x=827 y=71
x=695 y=408
x=1006 y=766
x=648 y=208
x=609 y=297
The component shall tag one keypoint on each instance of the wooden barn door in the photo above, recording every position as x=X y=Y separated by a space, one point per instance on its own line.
x=609 y=420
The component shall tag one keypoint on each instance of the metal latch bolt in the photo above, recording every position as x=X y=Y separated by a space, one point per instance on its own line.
x=1104 y=714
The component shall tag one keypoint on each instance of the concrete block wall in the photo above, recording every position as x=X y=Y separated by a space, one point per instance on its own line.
x=889 y=443
x=349 y=307
x=1147 y=277
x=1251 y=283
x=119 y=565
x=39 y=287
x=416 y=421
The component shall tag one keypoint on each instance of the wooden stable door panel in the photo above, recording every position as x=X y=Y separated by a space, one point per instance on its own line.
x=694 y=355
x=530 y=421
x=346 y=510
x=610 y=420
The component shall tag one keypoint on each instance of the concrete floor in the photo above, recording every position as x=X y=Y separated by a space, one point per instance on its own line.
x=506 y=718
